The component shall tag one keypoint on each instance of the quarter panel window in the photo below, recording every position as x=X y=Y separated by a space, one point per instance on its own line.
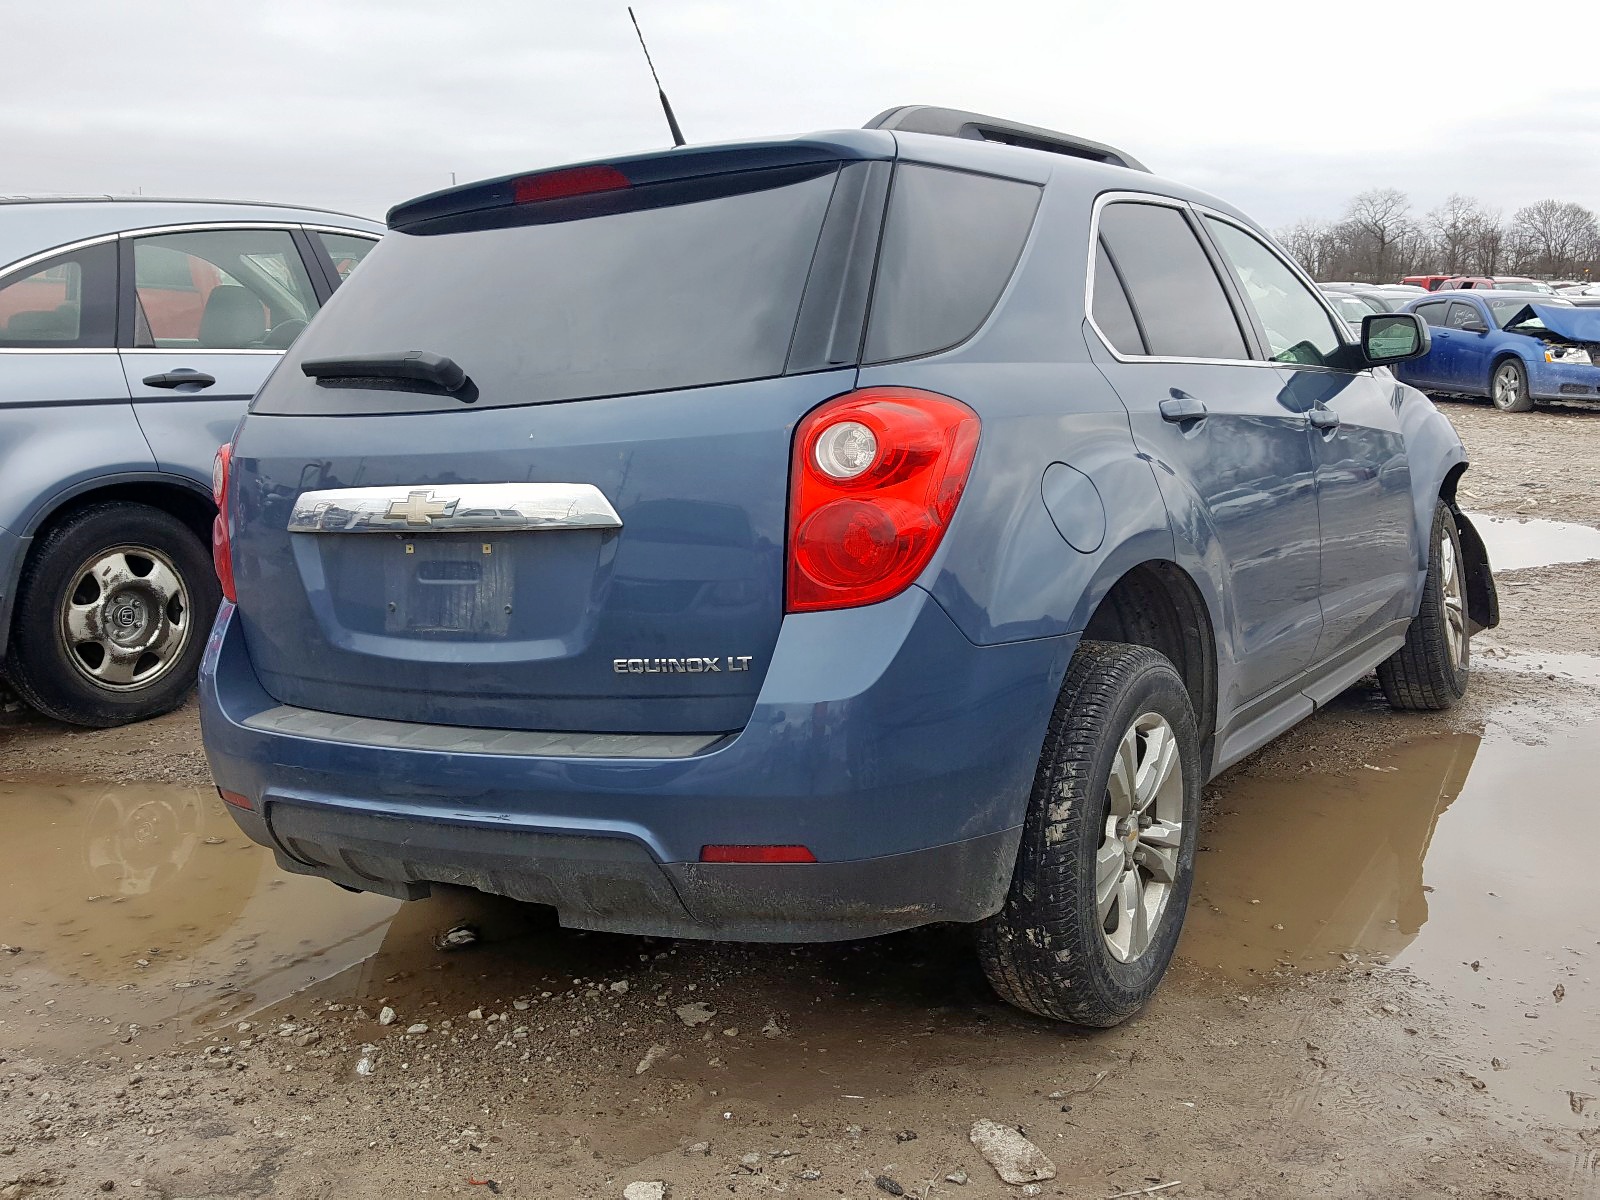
x=345 y=251
x=1170 y=282
x=1298 y=329
x=65 y=303
x=221 y=289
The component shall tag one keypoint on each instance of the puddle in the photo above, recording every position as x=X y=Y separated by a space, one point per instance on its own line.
x=146 y=904
x=1451 y=852
x=1516 y=543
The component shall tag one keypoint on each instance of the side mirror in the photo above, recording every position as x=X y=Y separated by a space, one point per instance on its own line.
x=1394 y=337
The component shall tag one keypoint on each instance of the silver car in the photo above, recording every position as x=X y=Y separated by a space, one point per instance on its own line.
x=133 y=332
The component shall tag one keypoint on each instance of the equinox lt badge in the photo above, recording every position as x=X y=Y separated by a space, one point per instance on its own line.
x=680 y=666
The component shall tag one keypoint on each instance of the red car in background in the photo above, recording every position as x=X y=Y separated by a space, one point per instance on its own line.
x=1431 y=282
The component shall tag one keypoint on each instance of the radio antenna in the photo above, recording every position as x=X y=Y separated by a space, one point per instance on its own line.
x=666 y=105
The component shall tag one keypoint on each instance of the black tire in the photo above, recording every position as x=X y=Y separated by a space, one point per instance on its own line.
x=1047 y=950
x=1508 y=387
x=1430 y=671
x=53 y=673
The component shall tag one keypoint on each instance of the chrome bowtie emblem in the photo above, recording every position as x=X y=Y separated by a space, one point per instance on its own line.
x=419 y=508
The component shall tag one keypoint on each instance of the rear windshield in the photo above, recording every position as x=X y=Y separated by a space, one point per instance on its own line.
x=680 y=296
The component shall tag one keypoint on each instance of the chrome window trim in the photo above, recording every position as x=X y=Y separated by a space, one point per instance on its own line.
x=1182 y=206
x=197 y=350
x=360 y=233
x=10 y=269
x=1200 y=211
x=454 y=508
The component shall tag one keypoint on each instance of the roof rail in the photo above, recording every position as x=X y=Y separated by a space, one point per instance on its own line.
x=953 y=122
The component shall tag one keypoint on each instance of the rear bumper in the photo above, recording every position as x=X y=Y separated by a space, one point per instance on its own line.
x=899 y=753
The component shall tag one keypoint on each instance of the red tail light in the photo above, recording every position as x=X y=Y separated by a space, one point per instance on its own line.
x=756 y=854
x=221 y=544
x=235 y=799
x=876 y=478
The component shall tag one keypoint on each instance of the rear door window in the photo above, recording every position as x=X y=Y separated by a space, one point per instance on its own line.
x=220 y=289
x=951 y=242
x=1433 y=312
x=1175 y=293
x=65 y=303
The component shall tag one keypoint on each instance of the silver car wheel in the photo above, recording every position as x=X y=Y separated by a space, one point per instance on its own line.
x=1507 y=386
x=1450 y=593
x=1137 y=862
x=125 y=617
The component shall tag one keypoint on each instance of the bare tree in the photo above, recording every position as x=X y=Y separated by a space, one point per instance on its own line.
x=1451 y=227
x=1381 y=234
x=1555 y=237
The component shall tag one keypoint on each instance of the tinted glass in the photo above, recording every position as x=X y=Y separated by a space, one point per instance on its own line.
x=223 y=289
x=64 y=303
x=1351 y=308
x=1297 y=327
x=1112 y=312
x=950 y=244
x=1171 y=284
x=345 y=251
x=1433 y=312
x=1463 y=316
x=646 y=299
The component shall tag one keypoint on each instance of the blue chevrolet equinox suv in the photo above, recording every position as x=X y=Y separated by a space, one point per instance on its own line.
x=812 y=538
x=133 y=333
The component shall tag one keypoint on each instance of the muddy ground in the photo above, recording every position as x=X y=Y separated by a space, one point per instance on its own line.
x=1387 y=986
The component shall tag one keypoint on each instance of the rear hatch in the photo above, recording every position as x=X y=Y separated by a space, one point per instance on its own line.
x=586 y=532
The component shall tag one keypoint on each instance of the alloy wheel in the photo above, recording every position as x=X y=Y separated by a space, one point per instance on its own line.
x=1136 y=865
x=1450 y=592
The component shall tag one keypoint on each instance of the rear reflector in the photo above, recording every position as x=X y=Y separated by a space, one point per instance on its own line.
x=756 y=854
x=557 y=185
x=235 y=799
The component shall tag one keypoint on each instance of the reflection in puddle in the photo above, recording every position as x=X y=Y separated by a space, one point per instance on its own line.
x=1469 y=864
x=1516 y=543
x=146 y=904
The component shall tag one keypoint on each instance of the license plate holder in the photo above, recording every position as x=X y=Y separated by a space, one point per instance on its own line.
x=446 y=585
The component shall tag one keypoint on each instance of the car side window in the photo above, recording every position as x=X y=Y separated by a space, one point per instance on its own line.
x=220 y=289
x=1112 y=312
x=1464 y=316
x=1297 y=326
x=344 y=250
x=1172 y=289
x=1432 y=312
x=64 y=303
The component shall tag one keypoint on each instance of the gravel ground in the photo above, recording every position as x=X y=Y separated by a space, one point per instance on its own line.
x=544 y=1062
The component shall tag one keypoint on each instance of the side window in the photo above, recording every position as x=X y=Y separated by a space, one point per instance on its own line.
x=950 y=243
x=220 y=289
x=1297 y=327
x=1432 y=312
x=1170 y=283
x=345 y=250
x=65 y=303
x=1111 y=310
x=1464 y=316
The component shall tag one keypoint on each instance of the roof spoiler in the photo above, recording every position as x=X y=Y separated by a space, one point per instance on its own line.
x=953 y=122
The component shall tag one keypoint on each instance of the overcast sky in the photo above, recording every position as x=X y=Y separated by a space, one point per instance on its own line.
x=1282 y=108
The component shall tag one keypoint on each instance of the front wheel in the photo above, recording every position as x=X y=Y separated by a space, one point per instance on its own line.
x=1107 y=857
x=112 y=614
x=1430 y=671
x=1508 y=387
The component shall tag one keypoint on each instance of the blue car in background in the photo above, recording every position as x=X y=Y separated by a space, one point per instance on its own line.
x=133 y=332
x=1513 y=347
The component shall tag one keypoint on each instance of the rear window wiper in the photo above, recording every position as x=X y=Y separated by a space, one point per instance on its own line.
x=399 y=370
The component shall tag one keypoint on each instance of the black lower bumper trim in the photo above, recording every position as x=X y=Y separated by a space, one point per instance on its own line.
x=616 y=886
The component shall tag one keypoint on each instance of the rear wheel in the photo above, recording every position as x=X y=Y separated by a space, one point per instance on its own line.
x=1430 y=671
x=1508 y=387
x=1107 y=857
x=111 y=616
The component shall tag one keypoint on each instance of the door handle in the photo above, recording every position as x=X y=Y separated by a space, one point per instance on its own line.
x=1182 y=408
x=179 y=378
x=1323 y=418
